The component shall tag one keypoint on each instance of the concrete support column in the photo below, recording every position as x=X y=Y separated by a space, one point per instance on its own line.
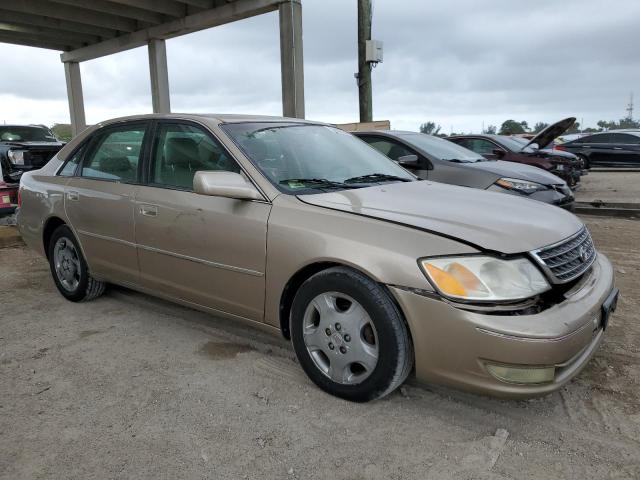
x=159 y=76
x=75 y=97
x=291 y=64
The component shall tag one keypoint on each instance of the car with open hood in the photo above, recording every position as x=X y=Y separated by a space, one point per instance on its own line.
x=433 y=158
x=529 y=152
x=303 y=230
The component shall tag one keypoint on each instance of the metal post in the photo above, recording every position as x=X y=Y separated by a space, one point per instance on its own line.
x=291 y=63
x=74 y=95
x=364 y=68
x=159 y=76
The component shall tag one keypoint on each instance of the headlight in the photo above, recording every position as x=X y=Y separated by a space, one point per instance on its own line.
x=484 y=278
x=16 y=157
x=522 y=186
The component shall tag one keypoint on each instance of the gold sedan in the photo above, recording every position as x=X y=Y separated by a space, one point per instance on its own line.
x=304 y=230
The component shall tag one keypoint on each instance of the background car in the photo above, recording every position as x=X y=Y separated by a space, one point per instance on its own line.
x=25 y=147
x=436 y=159
x=615 y=148
x=512 y=149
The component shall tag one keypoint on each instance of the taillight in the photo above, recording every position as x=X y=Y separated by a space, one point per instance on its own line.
x=560 y=147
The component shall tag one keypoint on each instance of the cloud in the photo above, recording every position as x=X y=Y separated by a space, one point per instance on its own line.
x=459 y=63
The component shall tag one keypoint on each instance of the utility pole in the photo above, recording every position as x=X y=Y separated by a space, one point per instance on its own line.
x=364 y=67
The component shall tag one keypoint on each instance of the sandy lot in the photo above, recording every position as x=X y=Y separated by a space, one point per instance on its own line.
x=129 y=386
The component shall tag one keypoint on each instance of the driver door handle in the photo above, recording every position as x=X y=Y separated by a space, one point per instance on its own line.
x=149 y=210
x=73 y=195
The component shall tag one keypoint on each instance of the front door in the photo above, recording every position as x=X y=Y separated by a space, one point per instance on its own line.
x=99 y=201
x=205 y=250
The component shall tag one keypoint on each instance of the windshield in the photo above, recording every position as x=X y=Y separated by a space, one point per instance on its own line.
x=303 y=158
x=442 y=149
x=26 y=134
x=515 y=144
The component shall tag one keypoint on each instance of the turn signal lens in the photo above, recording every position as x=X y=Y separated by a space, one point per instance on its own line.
x=483 y=278
x=522 y=374
x=446 y=282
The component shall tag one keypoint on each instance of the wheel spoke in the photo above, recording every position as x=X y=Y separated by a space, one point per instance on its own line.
x=325 y=304
x=338 y=368
x=314 y=338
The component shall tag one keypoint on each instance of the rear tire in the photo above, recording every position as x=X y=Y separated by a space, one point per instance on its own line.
x=69 y=268
x=349 y=335
x=586 y=164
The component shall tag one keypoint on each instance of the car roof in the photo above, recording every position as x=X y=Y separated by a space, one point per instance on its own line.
x=216 y=117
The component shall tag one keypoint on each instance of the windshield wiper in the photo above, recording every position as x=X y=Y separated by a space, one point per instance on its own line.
x=457 y=160
x=317 y=183
x=377 y=177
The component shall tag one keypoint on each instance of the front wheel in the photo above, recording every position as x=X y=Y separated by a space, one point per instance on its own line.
x=69 y=268
x=349 y=335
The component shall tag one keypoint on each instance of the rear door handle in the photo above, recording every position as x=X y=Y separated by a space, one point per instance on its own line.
x=149 y=210
x=617 y=148
x=73 y=195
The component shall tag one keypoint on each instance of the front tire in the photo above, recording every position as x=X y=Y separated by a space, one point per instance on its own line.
x=69 y=268
x=349 y=336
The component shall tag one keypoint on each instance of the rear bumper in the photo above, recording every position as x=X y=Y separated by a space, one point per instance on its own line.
x=454 y=347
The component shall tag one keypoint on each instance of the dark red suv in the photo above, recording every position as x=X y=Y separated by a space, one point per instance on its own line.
x=531 y=152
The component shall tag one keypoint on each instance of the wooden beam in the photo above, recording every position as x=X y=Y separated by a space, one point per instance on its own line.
x=167 y=7
x=47 y=8
x=55 y=23
x=17 y=39
x=51 y=34
x=126 y=11
x=228 y=13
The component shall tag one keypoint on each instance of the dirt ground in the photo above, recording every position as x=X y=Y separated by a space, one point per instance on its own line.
x=619 y=187
x=129 y=386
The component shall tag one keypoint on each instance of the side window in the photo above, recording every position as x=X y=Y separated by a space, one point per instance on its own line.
x=602 y=138
x=116 y=155
x=624 y=138
x=181 y=150
x=480 y=146
x=389 y=148
x=70 y=167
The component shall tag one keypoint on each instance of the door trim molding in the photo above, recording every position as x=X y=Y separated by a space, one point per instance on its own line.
x=209 y=263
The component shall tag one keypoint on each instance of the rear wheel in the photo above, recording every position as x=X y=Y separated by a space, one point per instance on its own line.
x=585 y=161
x=69 y=268
x=349 y=335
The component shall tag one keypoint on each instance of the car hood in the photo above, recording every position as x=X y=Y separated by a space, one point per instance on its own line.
x=518 y=171
x=488 y=220
x=549 y=134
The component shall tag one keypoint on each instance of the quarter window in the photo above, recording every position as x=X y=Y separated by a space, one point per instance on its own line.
x=69 y=168
x=182 y=150
x=116 y=155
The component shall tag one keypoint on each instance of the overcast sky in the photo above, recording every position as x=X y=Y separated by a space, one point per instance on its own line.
x=457 y=62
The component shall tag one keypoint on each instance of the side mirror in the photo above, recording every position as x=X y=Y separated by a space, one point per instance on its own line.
x=534 y=146
x=224 y=184
x=408 y=161
x=498 y=152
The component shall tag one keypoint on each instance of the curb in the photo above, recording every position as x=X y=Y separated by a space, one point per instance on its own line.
x=10 y=237
x=618 y=210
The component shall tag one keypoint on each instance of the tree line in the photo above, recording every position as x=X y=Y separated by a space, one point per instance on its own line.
x=513 y=127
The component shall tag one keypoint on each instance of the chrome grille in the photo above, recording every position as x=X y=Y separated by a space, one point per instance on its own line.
x=568 y=259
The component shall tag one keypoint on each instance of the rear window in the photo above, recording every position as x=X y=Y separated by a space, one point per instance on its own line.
x=10 y=133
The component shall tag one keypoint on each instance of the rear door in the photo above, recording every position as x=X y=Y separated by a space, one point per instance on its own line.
x=206 y=250
x=99 y=200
